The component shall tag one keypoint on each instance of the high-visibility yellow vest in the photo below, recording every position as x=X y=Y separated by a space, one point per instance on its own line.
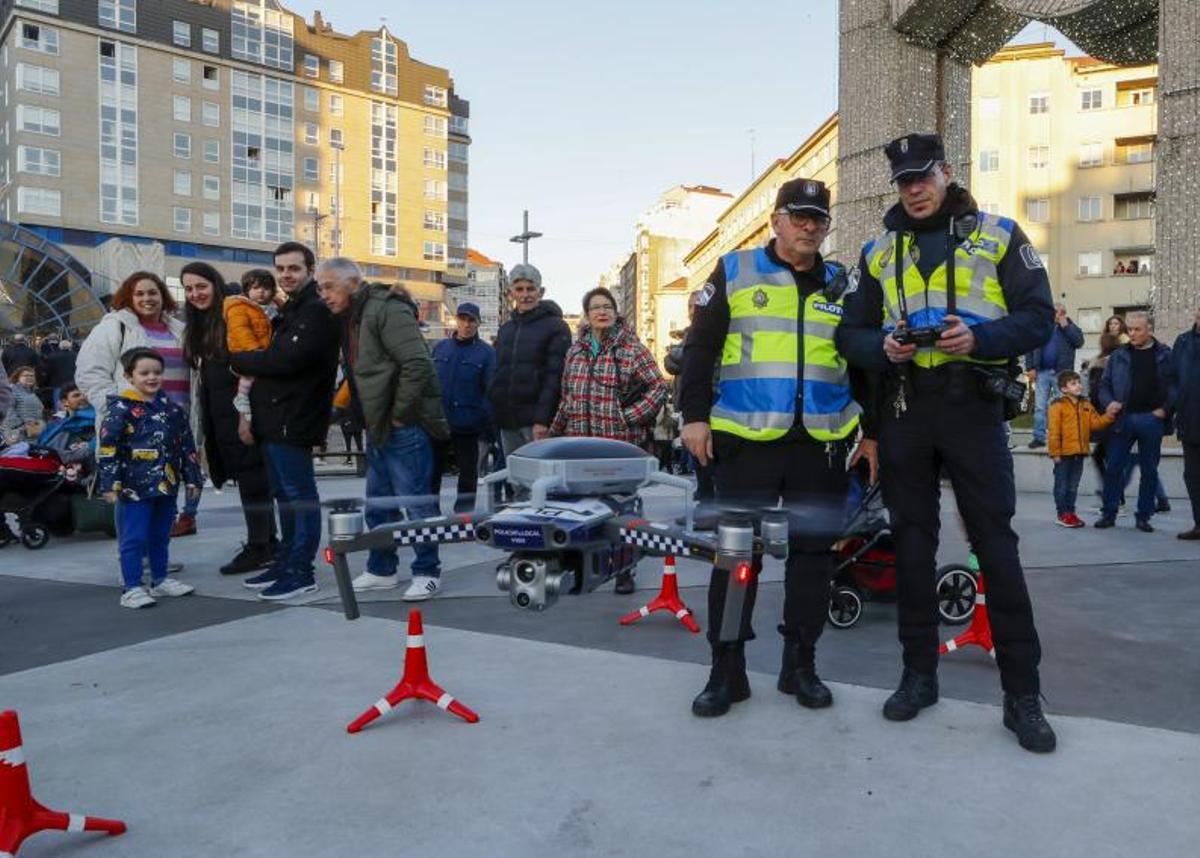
x=978 y=294
x=759 y=374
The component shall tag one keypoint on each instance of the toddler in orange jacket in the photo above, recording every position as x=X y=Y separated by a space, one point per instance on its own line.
x=248 y=327
x=1072 y=420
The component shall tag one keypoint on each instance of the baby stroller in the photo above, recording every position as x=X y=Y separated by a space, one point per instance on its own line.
x=31 y=479
x=866 y=569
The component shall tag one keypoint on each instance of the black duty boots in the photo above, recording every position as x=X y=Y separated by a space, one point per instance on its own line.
x=1023 y=715
x=916 y=691
x=798 y=676
x=727 y=681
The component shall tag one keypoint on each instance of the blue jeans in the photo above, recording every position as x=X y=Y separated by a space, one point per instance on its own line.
x=190 y=506
x=1046 y=389
x=1160 y=493
x=400 y=474
x=1146 y=431
x=144 y=530
x=1067 y=473
x=294 y=485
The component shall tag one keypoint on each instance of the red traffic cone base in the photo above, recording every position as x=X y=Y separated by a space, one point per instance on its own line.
x=666 y=600
x=979 y=633
x=20 y=813
x=414 y=684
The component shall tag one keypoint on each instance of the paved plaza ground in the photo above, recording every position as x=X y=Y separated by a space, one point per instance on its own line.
x=215 y=724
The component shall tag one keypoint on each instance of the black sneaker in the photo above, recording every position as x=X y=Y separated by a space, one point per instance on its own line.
x=1023 y=715
x=1035 y=444
x=290 y=586
x=916 y=691
x=251 y=557
x=1162 y=505
x=1144 y=526
x=1104 y=522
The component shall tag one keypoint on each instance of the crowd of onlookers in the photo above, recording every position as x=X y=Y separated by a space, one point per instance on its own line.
x=241 y=384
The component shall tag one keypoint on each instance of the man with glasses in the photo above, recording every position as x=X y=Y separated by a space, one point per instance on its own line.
x=950 y=356
x=780 y=429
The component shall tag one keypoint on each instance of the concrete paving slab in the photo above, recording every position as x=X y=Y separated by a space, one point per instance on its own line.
x=230 y=741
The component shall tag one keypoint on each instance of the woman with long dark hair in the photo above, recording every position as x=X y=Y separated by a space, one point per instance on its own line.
x=228 y=458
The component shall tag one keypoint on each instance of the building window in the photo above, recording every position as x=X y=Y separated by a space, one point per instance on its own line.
x=1091 y=99
x=118 y=15
x=312 y=99
x=1039 y=157
x=312 y=169
x=181 y=33
x=989 y=160
x=435 y=221
x=261 y=34
x=989 y=107
x=210 y=113
x=210 y=41
x=458 y=181
x=312 y=133
x=182 y=108
x=458 y=124
x=118 y=133
x=435 y=126
x=312 y=202
x=1039 y=102
x=458 y=209
x=1037 y=210
x=336 y=138
x=337 y=72
x=384 y=64
x=35 y=37
x=1089 y=263
x=312 y=66
x=435 y=190
x=1135 y=97
x=435 y=96
x=1091 y=154
x=212 y=187
x=212 y=223
x=435 y=158
x=1135 y=153
x=183 y=183
x=39 y=120
x=384 y=178
x=182 y=219
x=182 y=145
x=336 y=105
x=39 y=201
x=458 y=152
x=262 y=158
x=434 y=251
x=38 y=161
x=38 y=79
x=1090 y=208
x=212 y=77
x=1133 y=206
x=181 y=71
x=50 y=7
x=212 y=151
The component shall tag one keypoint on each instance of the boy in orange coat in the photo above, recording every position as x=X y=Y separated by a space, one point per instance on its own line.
x=1073 y=419
x=248 y=328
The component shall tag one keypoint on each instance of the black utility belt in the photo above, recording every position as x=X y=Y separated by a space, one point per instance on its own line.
x=960 y=379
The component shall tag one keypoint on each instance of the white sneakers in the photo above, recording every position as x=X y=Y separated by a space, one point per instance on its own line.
x=371 y=581
x=422 y=587
x=141 y=597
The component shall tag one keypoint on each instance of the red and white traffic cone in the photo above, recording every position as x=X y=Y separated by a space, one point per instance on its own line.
x=20 y=813
x=666 y=600
x=415 y=683
x=979 y=633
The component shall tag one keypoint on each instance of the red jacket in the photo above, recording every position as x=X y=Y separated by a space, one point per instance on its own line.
x=593 y=387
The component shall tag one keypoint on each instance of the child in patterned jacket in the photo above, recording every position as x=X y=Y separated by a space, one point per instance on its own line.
x=145 y=451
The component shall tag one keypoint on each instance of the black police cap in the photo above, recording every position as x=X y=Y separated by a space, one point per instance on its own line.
x=803 y=196
x=914 y=153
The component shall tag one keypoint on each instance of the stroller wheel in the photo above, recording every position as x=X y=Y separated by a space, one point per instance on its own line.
x=35 y=536
x=955 y=594
x=845 y=607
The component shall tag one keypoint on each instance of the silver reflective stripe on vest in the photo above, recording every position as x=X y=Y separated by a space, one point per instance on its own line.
x=770 y=369
x=757 y=420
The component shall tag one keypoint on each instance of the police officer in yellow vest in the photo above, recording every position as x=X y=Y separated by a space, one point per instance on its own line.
x=780 y=429
x=949 y=356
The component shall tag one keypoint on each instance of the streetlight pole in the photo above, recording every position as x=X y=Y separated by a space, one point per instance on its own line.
x=525 y=237
x=337 y=197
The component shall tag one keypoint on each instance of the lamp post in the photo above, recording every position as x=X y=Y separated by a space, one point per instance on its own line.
x=337 y=146
x=525 y=237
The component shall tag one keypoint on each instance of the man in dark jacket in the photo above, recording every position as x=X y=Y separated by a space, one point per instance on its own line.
x=530 y=350
x=393 y=385
x=1138 y=388
x=1185 y=367
x=1044 y=363
x=465 y=366
x=58 y=369
x=291 y=401
x=19 y=353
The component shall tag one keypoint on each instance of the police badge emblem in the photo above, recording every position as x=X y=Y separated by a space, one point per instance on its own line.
x=810 y=189
x=904 y=145
x=760 y=298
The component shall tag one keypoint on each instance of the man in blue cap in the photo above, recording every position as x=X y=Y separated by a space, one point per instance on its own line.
x=465 y=366
x=942 y=304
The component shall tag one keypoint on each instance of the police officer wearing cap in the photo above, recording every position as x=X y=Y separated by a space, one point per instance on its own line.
x=949 y=356
x=780 y=429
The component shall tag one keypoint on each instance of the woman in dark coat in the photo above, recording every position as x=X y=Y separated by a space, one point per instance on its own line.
x=228 y=458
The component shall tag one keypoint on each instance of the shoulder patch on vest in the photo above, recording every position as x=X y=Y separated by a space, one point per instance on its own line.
x=705 y=295
x=852 y=278
x=1030 y=257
